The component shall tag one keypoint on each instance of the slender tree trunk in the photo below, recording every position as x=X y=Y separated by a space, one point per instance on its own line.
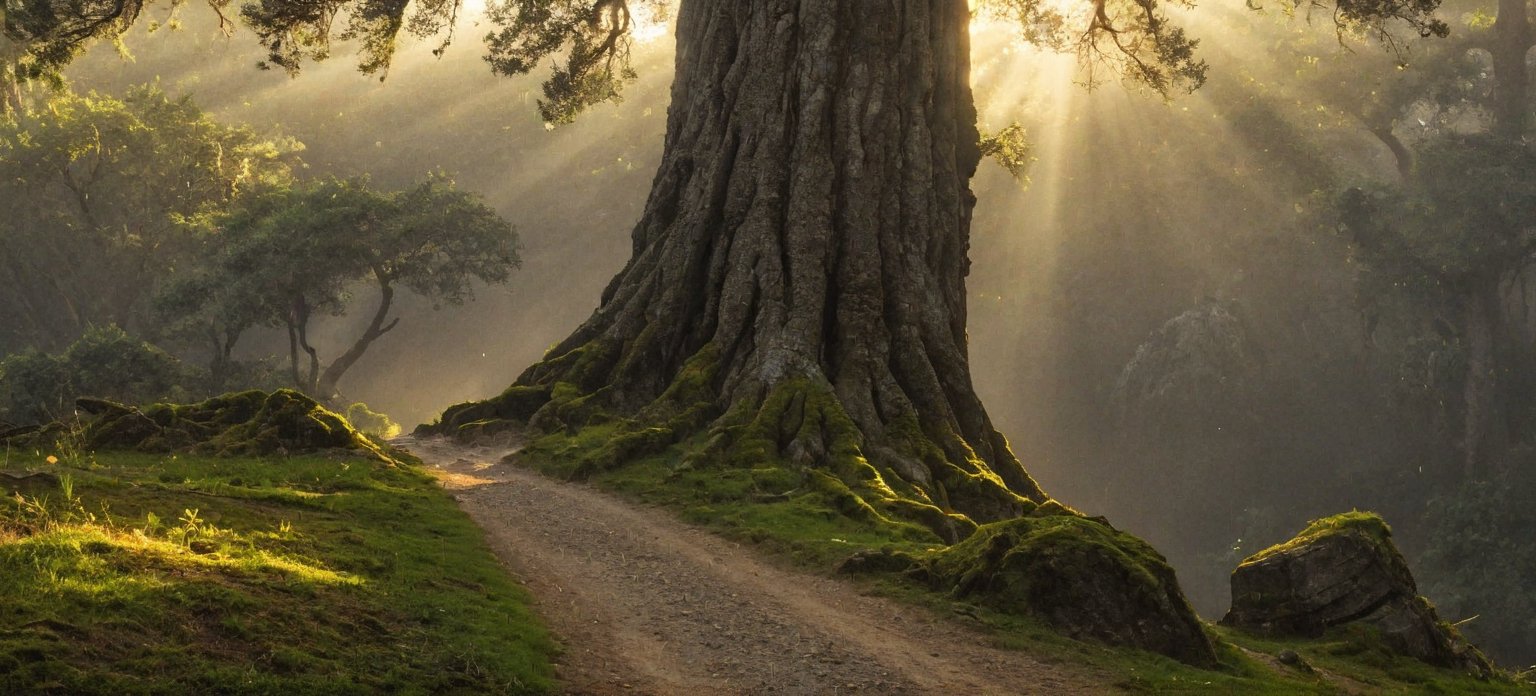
x=298 y=339
x=326 y=388
x=1482 y=434
x=10 y=83
x=10 y=100
x=28 y=326
x=1400 y=152
x=799 y=269
x=222 y=340
x=1512 y=40
x=293 y=354
x=217 y=359
x=73 y=324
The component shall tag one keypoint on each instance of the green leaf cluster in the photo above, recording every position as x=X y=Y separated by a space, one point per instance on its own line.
x=36 y=387
x=288 y=253
x=94 y=194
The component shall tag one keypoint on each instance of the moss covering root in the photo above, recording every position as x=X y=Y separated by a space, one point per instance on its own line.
x=796 y=427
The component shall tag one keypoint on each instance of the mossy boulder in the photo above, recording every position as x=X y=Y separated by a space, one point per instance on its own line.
x=1340 y=571
x=496 y=415
x=251 y=423
x=1079 y=574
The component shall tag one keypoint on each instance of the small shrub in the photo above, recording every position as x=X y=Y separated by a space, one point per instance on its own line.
x=33 y=386
x=372 y=423
x=105 y=362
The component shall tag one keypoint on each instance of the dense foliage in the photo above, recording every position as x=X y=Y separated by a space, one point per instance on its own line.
x=1479 y=560
x=105 y=362
x=145 y=215
x=287 y=254
x=93 y=192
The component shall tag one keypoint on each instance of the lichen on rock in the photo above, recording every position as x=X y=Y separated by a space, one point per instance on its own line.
x=1079 y=574
x=1340 y=571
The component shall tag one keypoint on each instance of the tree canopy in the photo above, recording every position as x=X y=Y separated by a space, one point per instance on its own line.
x=290 y=253
x=93 y=190
x=588 y=42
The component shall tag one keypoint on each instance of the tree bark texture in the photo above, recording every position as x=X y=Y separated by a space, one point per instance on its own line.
x=806 y=236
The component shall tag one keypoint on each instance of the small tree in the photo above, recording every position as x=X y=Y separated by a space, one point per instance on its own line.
x=91 y=191
x=291 y=253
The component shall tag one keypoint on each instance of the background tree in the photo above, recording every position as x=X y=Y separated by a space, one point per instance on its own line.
x=1460 y=231
x=91 y=192
x=1454 y=229
x=288 y=254
x=37 y=387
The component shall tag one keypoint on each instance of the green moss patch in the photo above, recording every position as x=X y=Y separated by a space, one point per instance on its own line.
x=1368 y=526
x=798 y=429
x=465 y=421
x=1357 y=657
x=579 y=418
x=775 y=506
x=1080 y=575
x=190 y=574
x=250 y=423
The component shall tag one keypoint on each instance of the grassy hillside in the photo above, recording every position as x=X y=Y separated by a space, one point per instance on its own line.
x=138 y=573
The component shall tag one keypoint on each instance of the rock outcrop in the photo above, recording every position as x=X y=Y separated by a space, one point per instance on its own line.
x=1079 y=574
x=1345 y=570
x=250 y=423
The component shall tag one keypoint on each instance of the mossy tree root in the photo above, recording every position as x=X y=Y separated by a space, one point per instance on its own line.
x=902 y=475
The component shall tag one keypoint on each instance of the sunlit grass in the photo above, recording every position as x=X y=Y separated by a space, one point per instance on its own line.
x=304 y=575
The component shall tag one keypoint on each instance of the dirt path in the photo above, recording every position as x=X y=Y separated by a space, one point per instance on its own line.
x=645 y=604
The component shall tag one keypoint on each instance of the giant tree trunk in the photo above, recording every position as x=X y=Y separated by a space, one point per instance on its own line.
x=797 y=287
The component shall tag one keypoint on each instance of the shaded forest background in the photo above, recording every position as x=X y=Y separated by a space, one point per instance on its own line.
x=1170 y=319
